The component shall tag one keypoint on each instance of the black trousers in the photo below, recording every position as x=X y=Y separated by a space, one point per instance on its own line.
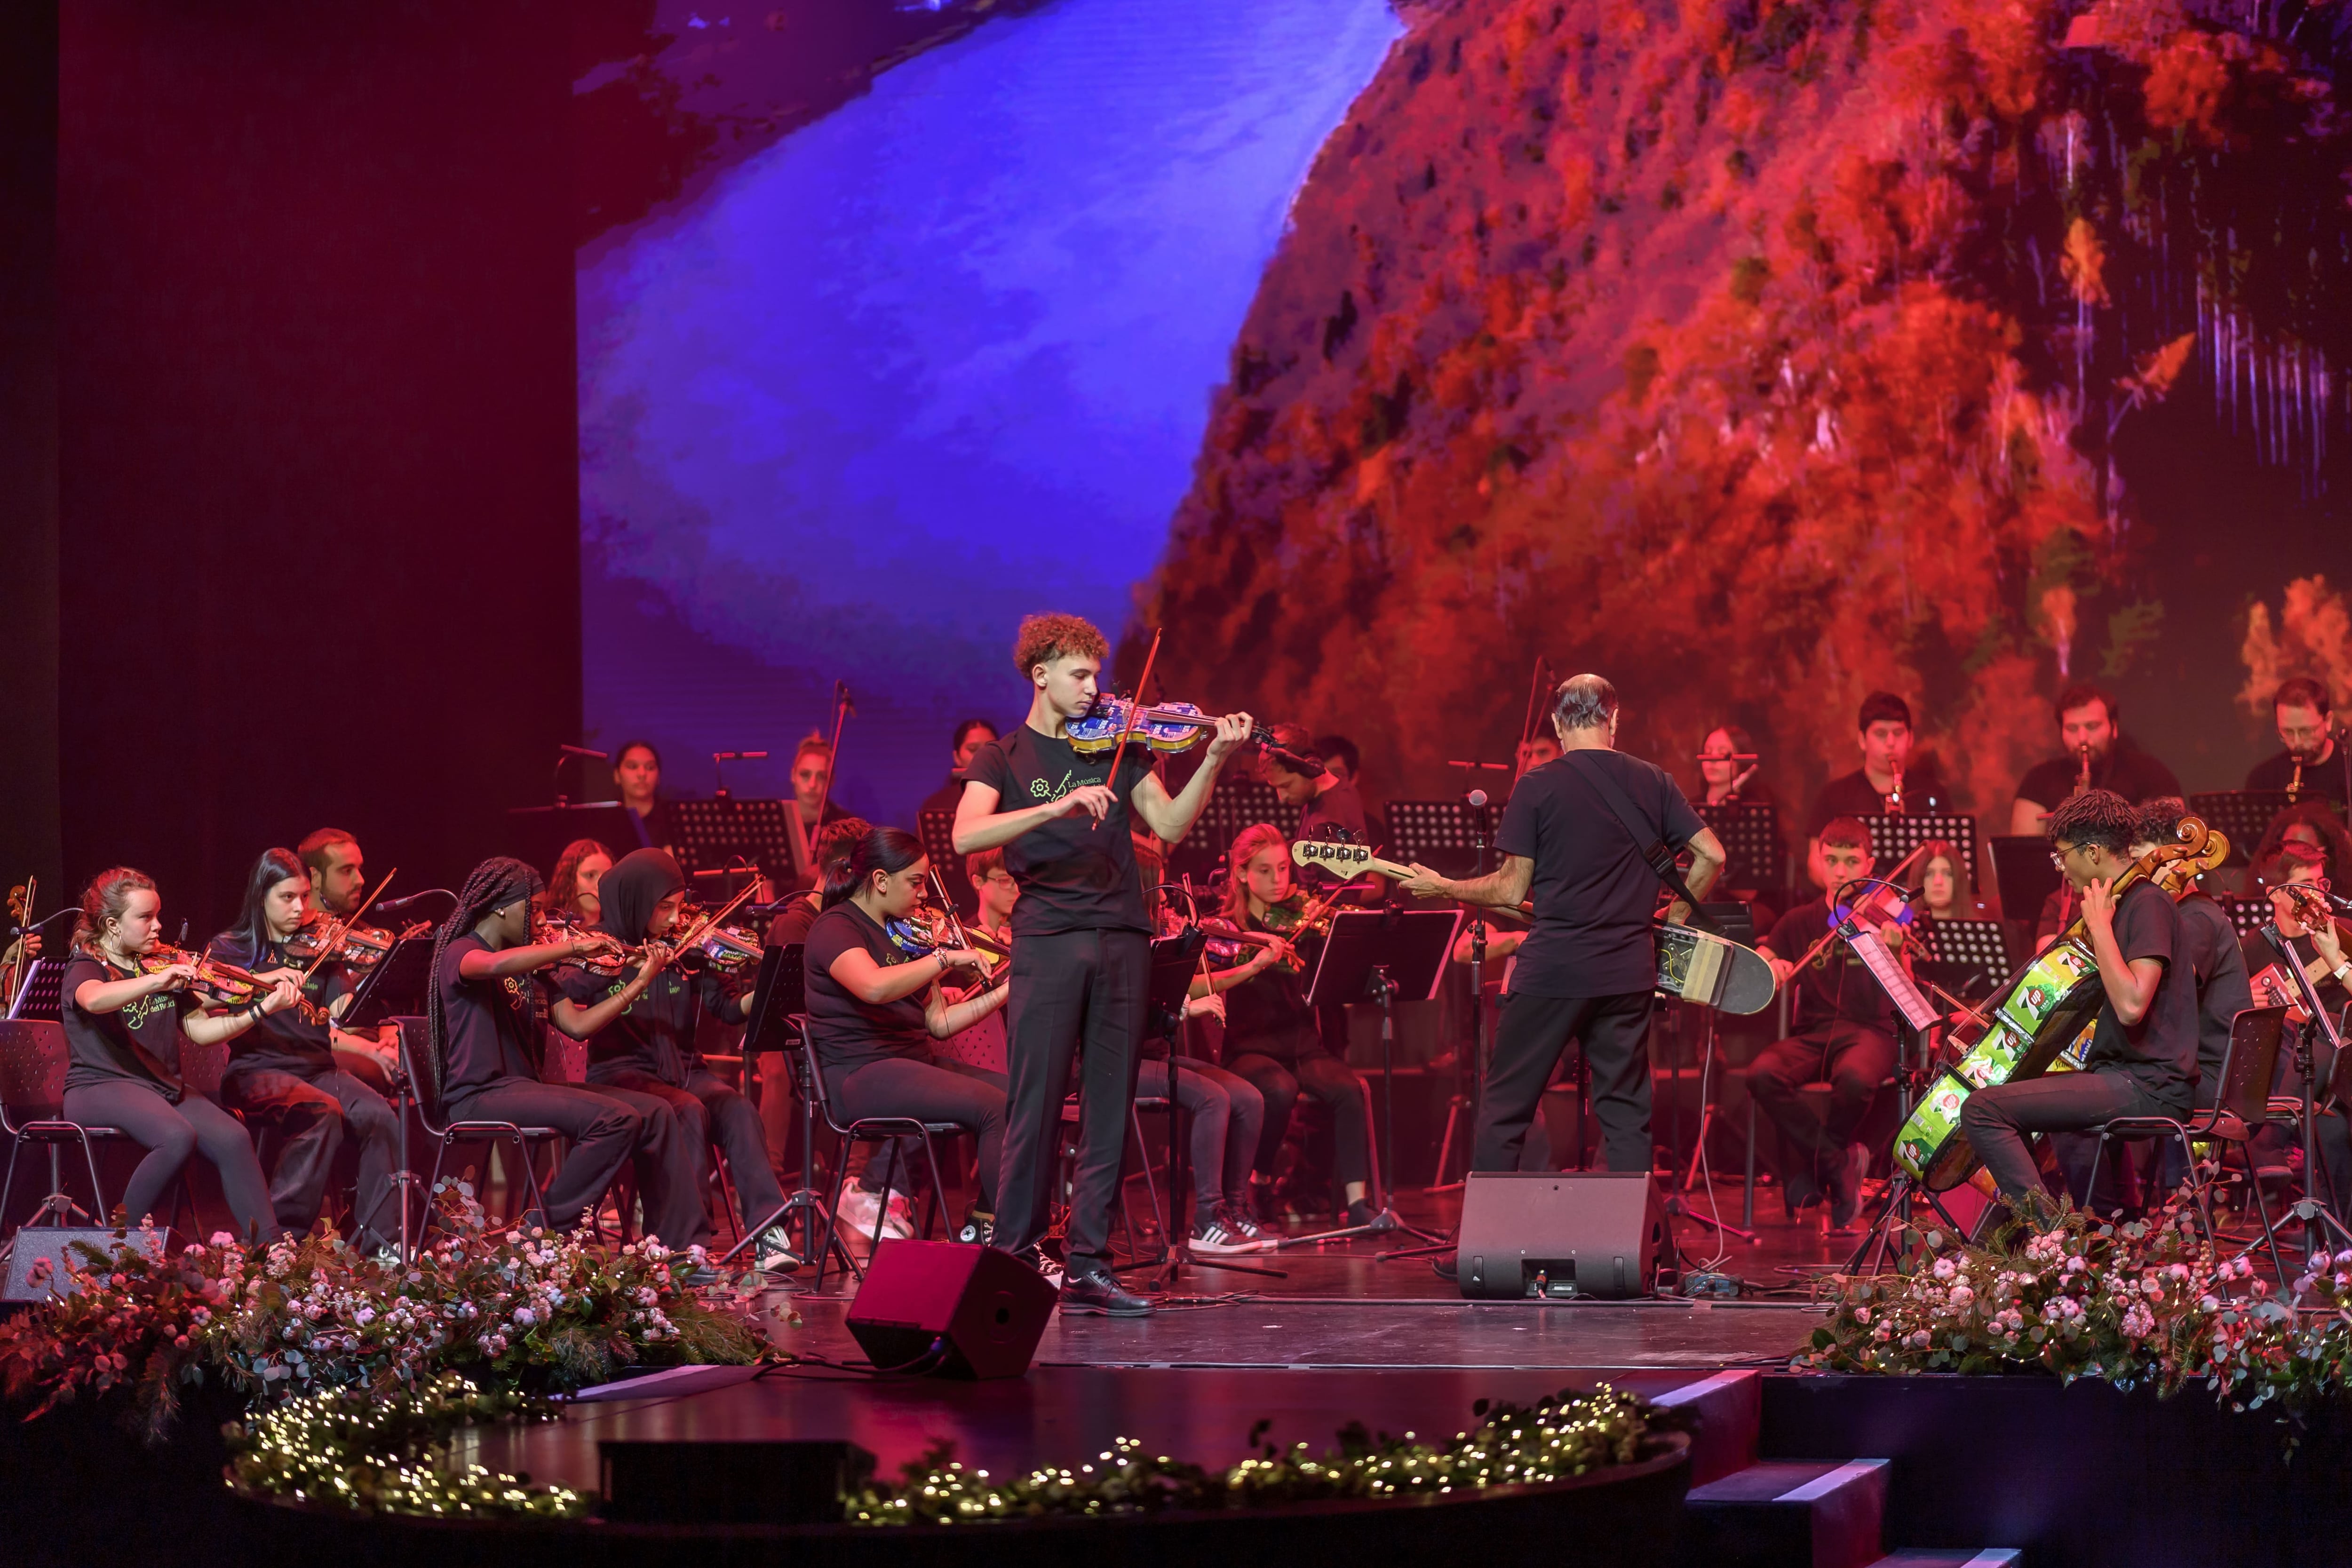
x=1070 y=988
x=312 y=1108
x=170 y=1133
x=606 y=1127
x=1998 y=1120
x=1326 y=1078
x=1228 y=1115
x=1851 y=1059
x=973 y=1098
x=1533 y=1032
x=710 y=1112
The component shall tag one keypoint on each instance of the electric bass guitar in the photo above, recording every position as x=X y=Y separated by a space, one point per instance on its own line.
x=1696 y=966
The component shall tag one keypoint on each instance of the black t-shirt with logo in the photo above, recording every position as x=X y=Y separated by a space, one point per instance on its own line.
x=283 y=1041
x=655 y=1033
x=1836 y=987
x=2125 y=769
x=1594 y=894
x=1074 y=876
x=2159 y=1052
x=487 y=1022
x=101 y=1043
x=849 y=1033
x=1267 y=1015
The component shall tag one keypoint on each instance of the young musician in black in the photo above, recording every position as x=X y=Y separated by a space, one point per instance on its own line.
x=1590 y=964
x=2098 y=755
x=284 y=1068
x=645 y=1043
x=875 y=1008
x=970 y=737
x=482 y=1016
x=1081 y=962
x=2316 y=762
x=1845 y=1036
x=637 y=774
x=124 y=1026
x=2143 y=1056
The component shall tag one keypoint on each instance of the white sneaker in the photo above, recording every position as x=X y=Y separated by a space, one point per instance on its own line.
x=773 y=1252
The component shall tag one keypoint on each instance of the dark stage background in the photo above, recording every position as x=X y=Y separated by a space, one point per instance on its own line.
x=309 y=365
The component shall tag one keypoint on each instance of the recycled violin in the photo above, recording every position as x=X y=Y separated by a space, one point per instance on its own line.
x=611 y=958
x=1163 y=726
x=356 y=946
x=216 y=980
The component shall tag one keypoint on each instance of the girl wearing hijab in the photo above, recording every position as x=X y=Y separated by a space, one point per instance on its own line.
x=647 y=1046
x=483 y=1025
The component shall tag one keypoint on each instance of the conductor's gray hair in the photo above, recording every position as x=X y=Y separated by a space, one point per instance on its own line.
x=1584 y=702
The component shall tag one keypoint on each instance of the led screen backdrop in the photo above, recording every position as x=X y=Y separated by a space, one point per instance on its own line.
x=883 y=374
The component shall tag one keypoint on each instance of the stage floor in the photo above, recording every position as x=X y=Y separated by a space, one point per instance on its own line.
x=1343 y=1335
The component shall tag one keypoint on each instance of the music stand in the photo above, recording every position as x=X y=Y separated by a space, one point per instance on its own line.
x=1752 y=845
x=2023 y=876
x=712 y=834
x=2315 y=1202
x=393 y=991
x=779 y=997
x=1235 y=804
x=1893 y=838
x=1967 y=958
x=538 y=834
x=1380 y=955
x=42 y=995
x=2243 y=814
x=2247 y=916
x=1442 y=835
x=936 y=830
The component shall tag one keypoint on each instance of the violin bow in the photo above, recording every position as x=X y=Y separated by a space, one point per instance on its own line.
x=324 y=949
x=1134 y=714
x=1535 y=691
x=842 y=709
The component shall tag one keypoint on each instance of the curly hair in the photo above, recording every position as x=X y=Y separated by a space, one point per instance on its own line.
x=2335 y=843
x=1044 y=638
x=2096 y=817
x=107 y=895
x=1251 y=841
x=564 y=882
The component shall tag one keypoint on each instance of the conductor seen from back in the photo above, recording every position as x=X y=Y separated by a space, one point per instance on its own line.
x=1590 y=966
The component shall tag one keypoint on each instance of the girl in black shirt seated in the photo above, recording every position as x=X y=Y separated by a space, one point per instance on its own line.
x=1270 y=1033
x=645 y=1044
x=123 y=1027
x=285 y=1068
x=482 y=1016
x=873 y=1010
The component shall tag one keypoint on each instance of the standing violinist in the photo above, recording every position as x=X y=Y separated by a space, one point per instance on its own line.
x=124 y=1016
x=284 y=1070
x=1081 y=965
x=647 y=1046
x=1271 y=1039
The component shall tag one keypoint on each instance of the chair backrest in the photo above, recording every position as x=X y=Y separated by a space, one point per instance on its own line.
x=818 y=1096
x=413 y=1036
x=33 y=1060
x=2249 y=1063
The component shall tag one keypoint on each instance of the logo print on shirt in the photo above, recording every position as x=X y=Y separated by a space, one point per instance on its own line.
x=1041 y=790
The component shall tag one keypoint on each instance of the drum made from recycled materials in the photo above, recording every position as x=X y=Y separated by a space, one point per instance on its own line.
x=2041 y=1024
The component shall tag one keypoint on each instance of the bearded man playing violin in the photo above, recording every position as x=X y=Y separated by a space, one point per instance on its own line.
x=1081 y=963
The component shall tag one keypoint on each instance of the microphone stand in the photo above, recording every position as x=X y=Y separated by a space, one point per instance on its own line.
x=2316 y=1204
x=1460 y=1107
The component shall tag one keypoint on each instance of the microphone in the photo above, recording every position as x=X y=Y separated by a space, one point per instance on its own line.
x=738 y=756
x=401 y=906
x=1476 y=797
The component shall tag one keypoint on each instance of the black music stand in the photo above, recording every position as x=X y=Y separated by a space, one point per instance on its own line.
x=713 y=835
x=2315 y=1203
x=779 y=996
x=1235 y=804
x=936 y=830
x=2024 y=875
x=42 y=995
x=393 y=990
x=1752 y=845
x=1893 y=838
x=2247 y=916
x=1447 y=835
x=1379 y=955
x=1968 y=958
x=2244 y=814
x=537 y=834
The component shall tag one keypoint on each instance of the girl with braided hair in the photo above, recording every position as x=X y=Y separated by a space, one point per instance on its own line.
x=483 y=1022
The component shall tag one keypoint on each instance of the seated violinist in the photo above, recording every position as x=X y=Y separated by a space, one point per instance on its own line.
x=1271 y=1035
x=572 y=897
x=647 y=1046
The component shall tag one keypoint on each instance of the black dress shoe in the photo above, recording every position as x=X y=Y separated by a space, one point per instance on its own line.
x=1091 y=1287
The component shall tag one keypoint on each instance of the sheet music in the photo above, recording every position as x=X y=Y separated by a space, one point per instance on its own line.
x=1888 y=972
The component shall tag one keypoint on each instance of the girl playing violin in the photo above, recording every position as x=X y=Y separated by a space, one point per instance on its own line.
x=873 y=1010
x=125 y=1016
x=1271 y=1039
x=284 y=1069
x=639 y=1024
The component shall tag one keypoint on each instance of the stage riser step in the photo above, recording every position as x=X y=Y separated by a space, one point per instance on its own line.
x=1785 y=1515
x=1725 y=1411
x=1960 y=1557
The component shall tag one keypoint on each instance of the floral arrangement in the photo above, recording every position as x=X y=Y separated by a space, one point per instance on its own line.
x=1570 y=1433
x=2140 y=1304
x=523 y=1310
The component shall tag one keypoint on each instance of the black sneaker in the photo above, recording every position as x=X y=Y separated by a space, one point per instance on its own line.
x=1216 y=1233
x=1360 y=1213
x=1238 y=1221
x=1091 y=1287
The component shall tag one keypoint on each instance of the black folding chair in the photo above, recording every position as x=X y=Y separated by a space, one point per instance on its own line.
x=870 y=1130
x=32 y=1061
x=2240 y=1109
x=527 y=1141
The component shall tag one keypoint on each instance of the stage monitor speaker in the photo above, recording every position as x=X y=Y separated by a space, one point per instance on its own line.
x=50 y=1242
x=950 y=1309
x=1601 y=1234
